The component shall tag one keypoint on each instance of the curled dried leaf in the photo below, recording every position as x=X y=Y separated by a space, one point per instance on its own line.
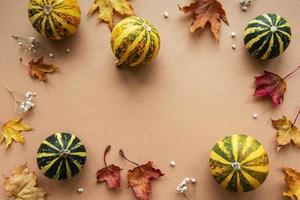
x=106 y=10
x=292 y=180
x=38 y=69
x=206 y=12
x=22 y=185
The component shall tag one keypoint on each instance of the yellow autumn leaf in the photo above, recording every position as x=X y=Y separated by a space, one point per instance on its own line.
x=106 y=10
x=287 y=132
x=292 y=179
x=22 y=185
x=11 y=130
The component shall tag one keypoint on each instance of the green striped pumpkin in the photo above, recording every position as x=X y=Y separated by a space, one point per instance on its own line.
x=61 y=156
x=267 y=36
x=54 y=19
x=135 y=41
x=239 y=163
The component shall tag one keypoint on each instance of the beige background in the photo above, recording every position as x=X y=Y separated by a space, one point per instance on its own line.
x=195 y=92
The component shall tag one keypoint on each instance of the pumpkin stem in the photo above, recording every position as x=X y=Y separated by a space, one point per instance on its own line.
x=121 y=152
x=292 y=72
x=105 y=152
x=236 y=166
x=296 y=117
x=64 y=153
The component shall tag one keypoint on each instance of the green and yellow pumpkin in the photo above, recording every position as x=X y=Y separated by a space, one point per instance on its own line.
x=61 y=156
x=267 y=36
x=54 y=19
x=239 y=163
x=135 y=41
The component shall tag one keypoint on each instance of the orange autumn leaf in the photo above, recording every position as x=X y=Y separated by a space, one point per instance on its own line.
x=287 y=132
x=38 y=69
x=206 y=12
x=140 y=178
x=292 y=180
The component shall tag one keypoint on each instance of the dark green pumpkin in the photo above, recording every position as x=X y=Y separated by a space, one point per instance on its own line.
x=61 y=156
x=267 y=36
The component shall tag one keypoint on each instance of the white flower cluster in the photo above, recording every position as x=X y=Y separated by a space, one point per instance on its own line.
x=245 y=4
x=27 y=104
x=29 y=44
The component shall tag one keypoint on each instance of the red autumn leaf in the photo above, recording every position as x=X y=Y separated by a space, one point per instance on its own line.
x=270 y=84
x=206 y=12
x=140 y=178
x=109 y=174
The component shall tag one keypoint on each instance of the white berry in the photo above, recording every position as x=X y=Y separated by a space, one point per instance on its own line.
x=51 y=55
x=233 y=46
x=166 y=14
x=80 y=190
x=233 y=34
x=193 y=180
x=255 y=115
x=173 y=163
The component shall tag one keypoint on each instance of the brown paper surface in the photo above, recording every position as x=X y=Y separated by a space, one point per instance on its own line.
x=193 y=94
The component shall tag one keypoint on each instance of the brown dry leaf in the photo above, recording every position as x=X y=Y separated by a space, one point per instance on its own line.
x=206 y=12
x=22 y=185
x=39 y=70
x=287 y=132
x=11 y=130
x=292 y=179
x=106 y=10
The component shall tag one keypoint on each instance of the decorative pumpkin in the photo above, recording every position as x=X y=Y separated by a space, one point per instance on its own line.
x=55 y=19
x=61 y=156
x=267 y=36
x=239 y=163
x=135 y=41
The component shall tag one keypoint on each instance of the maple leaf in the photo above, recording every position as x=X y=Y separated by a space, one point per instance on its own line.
x=270 y=84
x=292 y=179
x=106 y=10
x=140 y=178
x=287 y=132
x=206 y=12
x=110 y=174
x=11 y=130
x=38 y=69
x=22 y=185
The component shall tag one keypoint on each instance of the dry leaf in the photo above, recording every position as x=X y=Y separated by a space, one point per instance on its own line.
x=110 y=174
x=206 y=12
x=270 y=84
x=39 y=70
x=11 y=130
x=287 y=132
x=140 y=178
x=22 y=185
x=106 y=10
x=292 y=179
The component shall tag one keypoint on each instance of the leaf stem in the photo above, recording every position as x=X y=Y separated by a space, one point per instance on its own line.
x=292 y=72
x=105 y=152
x=121 y=152
x=11 y=92
x=296 y=117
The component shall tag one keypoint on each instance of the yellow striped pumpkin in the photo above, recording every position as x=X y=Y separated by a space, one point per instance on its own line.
x=267 y=36
x=239 y=163
x=54 y=19
x=135 y=41
x=61 y=156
